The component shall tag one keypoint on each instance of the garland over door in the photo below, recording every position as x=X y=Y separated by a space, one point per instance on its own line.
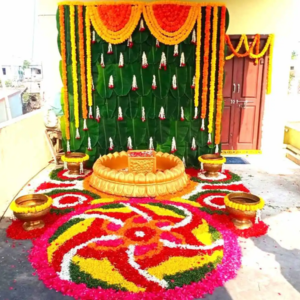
x=245 y=82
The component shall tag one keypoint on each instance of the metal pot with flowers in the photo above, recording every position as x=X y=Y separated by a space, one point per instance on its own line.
x=243 y=208
x=212 y=164
x=74 y=162
x=31 y=209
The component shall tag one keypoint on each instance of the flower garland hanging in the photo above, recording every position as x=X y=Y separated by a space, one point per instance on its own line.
x=238 y=47
x=174 y=82
x=101 y=22
x=205 y=63
x=129 y=143
x=130 y=42
x=134 y=85
x=270 y=69
x=163 y=62
x=151 y=146
x=212 y=74
x=89 y=60
x=98 y=115
x=111 y=82
x=111 y=144
x=181 y=114
x=182 y=60
x=120 y=114
x=220 y=80
x=64 y=74
x=173 y=145
x=74 y=69
x=144 y=61
x=121 y=61
x=175 y=50
x=102 y=61
x=143 y=118
x=249 y=50
x=82 y=62
x=196 y=78
x=154 y=86
x=170 y=33
x=162 y=114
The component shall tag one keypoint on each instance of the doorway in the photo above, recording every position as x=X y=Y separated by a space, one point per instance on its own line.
x=244 y=97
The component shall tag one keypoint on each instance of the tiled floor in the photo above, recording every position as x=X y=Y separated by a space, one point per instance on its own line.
x=270 y=265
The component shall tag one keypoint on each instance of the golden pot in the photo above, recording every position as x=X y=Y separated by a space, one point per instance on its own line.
x=240 y=218
x=212 y=170
x=74 y=167
x=32 y=220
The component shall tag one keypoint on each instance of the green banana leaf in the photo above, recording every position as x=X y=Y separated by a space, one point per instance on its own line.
x=143 y=78
x=103 y=80
x=122 y=79
x=107 y=129
x=163 y=131
x=136 y=129
x=163 y=82
x=181 y=79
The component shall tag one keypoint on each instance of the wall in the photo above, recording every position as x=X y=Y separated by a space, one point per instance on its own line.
x=23 y=153
x=247 y=16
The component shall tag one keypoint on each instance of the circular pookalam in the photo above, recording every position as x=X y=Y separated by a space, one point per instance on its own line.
x=136 y=249
x=64 y=175
x=67 y=200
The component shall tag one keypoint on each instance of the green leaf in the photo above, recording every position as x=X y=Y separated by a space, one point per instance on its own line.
x=110 y=107
x=121 y=140
x=103 y=79
x=179 y=130
x=163 y=82
x=136 y=129
x=181 y=79
x=107 y=129
x=143 y=78
x=163 y=131
x=140 y=37
x=189 y=81
x=122 y=79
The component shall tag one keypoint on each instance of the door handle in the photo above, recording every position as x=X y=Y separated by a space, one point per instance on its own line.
x=234 y=88
x=243 y=101
x=238 y=88
x=232 y=101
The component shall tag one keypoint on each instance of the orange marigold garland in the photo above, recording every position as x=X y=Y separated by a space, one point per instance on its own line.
x=88 y=62
x=198 y=56
x=112 y=36
x=64 y=73
x=205 y=65
x=82 y=66
x=220 y=79
x=257 y=47
x=170 y=37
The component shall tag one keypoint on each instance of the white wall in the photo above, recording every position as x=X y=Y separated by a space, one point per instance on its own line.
x=23 y=153
x=280 y=17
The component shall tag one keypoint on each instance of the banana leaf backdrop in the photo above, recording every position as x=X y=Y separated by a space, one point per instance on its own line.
x=131 y=102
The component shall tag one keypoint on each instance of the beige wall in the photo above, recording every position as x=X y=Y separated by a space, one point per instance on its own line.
x=23 y=153
x=246 y=16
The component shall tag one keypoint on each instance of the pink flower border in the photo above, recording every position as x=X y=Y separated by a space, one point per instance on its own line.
x=224 y=272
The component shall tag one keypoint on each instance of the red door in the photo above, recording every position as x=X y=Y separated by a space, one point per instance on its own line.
x=243 y=98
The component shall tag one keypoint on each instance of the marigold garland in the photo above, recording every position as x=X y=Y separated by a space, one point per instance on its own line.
x=115 y=37
x=166 y=37
x=114 y=17
x=82 y=62
x=213 y=70
x=64 y=70
x=25 y=210
x=74 y=65
x=198 y=57
x=238 y=47
x=88 y=58
x=220 y=77
x=244 y=207
x=75 y=159
x=249 y=50
x=270 y=69
x=220 y=161
x=205 y=62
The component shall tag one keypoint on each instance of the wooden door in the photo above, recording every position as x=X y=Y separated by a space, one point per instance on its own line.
x=244 y=91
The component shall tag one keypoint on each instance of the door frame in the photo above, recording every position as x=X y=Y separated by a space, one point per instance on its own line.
x=236 y=37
